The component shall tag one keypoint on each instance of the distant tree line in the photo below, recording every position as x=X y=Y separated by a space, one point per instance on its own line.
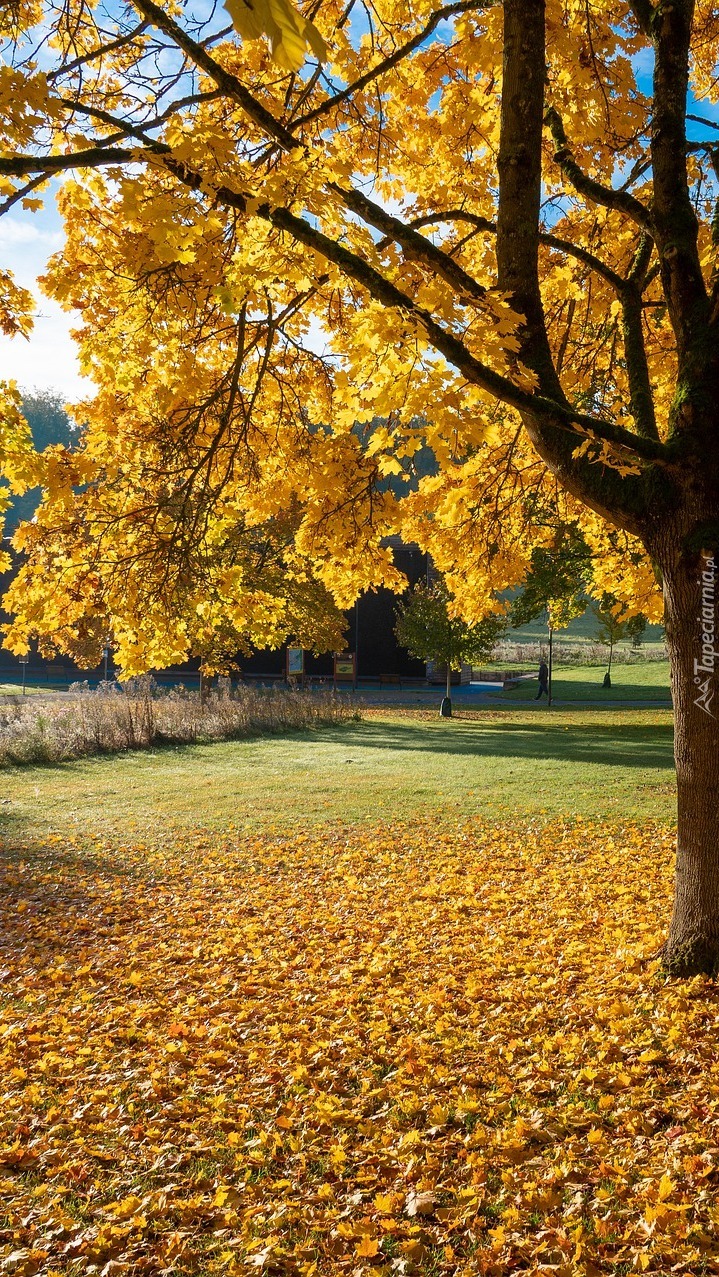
x=50 y=424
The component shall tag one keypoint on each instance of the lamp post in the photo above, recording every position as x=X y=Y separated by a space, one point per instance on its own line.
x=23 y=662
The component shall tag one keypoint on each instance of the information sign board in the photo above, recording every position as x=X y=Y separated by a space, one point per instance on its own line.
x=344 y=667
x=295 y=662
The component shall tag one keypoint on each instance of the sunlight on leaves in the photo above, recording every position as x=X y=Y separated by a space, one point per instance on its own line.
x=290 y=34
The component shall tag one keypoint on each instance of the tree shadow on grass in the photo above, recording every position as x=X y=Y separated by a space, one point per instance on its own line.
x=593 y=695
x=57 y=901
x=639 y=745
x=627 y=745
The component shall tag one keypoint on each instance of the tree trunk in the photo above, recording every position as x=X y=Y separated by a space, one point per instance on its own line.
x=449 y=681
x=690 y=589
x=611 y=653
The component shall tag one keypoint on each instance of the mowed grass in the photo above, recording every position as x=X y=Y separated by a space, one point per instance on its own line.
x=645 y=682
x=15 y=689
x=581 y=631
x=494 y=763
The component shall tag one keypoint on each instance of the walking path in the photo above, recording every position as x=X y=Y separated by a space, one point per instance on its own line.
x=488 y=695
x=466 y=696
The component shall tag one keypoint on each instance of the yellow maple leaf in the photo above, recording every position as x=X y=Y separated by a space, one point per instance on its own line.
x=290 y=33
x=666 y=1187
x=367 y=1248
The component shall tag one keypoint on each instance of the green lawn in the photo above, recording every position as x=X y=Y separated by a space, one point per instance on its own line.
x=583 y=629
x=15 y=689
x=495 y=763
x=641 y=682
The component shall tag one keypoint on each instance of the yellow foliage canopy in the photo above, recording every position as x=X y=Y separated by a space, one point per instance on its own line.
x=286 y=278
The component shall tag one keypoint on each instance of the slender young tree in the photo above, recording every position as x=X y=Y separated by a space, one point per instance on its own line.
x=427 y=629
x=612 y=627
x=494 y=226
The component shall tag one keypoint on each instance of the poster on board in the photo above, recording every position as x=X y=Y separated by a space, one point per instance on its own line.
x=295 y=662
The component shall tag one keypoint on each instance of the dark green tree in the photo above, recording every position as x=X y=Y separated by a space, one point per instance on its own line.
x=635 y=629
x=45 y=413
x=424 y=626
x=556 y=582
x=555 y=586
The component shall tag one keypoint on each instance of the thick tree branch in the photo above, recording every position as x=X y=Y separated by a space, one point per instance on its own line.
x=637 y=273
x=520 y=185
x=701 y=119
x=551 y=241
x=92 y=157
x=594 y=191
x=415 y=246
x=673 y=216
x=643 y=11
x=379 y=287
x=583 y=255
x=520 y=178
x=641 y=394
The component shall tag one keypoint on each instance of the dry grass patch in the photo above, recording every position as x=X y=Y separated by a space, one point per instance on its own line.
x=138 y=716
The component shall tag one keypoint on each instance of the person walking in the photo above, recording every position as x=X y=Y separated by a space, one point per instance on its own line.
x=543 y=678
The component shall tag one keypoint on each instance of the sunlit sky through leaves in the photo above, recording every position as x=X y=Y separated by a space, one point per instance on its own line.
x=27 y=239
x=49 y=357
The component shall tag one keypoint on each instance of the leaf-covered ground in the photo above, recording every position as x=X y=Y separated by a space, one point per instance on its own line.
x=415 y=1048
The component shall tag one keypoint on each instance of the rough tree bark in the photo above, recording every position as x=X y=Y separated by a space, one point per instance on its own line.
x=674 y=508
x=691 y=581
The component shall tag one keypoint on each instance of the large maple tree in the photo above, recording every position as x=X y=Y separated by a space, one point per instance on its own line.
x=477 y=229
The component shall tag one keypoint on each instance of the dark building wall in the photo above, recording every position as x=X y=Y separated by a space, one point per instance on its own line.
x=379 y=653
x=370 y=633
